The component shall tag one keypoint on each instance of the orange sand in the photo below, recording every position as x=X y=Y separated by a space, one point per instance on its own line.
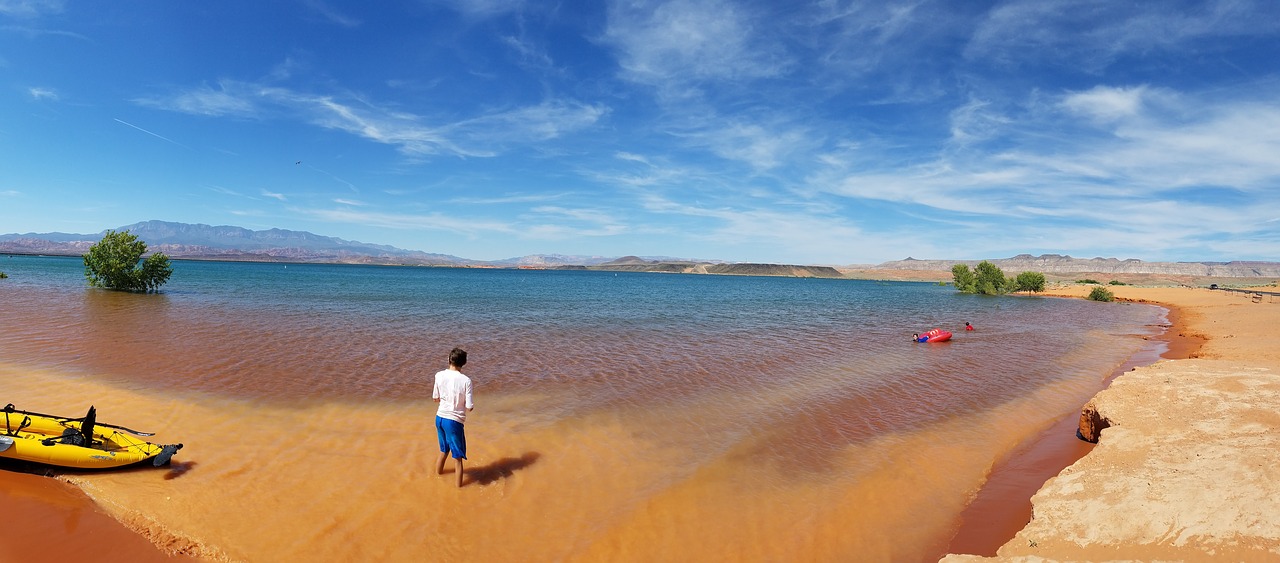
x=1202 y=319
x=1188 y=469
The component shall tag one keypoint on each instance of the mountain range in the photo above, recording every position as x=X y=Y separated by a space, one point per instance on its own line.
x=205 y=242
x=197 y=241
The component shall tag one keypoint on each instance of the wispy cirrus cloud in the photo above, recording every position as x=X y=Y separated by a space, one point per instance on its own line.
x=30 y=8
x=1093 y=34
x=1153 y=168
x=331 y=13
x=466 y=226
x=482 y=9
x=38 y=93
x=676 y=45
x=411 y=134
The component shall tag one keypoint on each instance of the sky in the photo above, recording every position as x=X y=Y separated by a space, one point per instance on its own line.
x=803 y=132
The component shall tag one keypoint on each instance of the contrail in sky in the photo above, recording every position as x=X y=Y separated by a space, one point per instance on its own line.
x=150 y=133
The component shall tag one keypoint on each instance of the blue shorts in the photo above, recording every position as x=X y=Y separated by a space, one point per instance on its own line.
x=452 y=438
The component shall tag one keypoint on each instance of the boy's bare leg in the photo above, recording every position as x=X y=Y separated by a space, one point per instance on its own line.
x=440 y=463
x=459 y=460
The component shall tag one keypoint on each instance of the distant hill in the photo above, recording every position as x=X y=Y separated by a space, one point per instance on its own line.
x=1055 y=263
x=205 y=242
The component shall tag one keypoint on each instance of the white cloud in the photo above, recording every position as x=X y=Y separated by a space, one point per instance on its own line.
x=332 y=14
x=678 y=43
x=482 y=9
x=1092 y=34
x=1104 y=103
x=480 y=136
x=759 y=146
x=467 y=226
x=975 y=121
x=30 y=8
x=42 y=94
x=230 y=99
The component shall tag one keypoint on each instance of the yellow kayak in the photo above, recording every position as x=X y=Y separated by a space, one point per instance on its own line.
x=81 y=443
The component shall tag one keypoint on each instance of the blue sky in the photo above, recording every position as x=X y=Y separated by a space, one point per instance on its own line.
x=827 y=132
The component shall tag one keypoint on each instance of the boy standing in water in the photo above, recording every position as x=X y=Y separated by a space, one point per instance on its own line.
x=453 y=391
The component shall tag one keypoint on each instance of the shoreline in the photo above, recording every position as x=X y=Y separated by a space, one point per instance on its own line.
x=1184 y=468
x=1002 y=507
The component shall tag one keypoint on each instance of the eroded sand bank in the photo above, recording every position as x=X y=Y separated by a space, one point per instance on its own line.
x=1189 y=467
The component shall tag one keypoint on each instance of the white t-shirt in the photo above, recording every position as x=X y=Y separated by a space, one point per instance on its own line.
x=453 y=388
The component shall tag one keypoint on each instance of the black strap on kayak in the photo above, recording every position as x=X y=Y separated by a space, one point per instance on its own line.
x=10 y=408
x=9 y=430
x=8 y=426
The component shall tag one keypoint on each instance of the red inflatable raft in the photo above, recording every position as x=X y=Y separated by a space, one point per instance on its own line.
x=935 y=335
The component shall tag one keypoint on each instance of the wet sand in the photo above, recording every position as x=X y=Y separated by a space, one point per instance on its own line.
x=117 y=535
x=1186 y=470
x=60 y=523
x=1014 y=467
x=1003 y=506
x=1005 y=502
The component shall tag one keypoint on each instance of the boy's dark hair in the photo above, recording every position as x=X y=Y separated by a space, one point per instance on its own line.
x=457 y=357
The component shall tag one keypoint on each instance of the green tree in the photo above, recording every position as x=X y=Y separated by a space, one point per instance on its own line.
x=990 y=279
x=1029 y=281
x=963 y=277
x=113 y=263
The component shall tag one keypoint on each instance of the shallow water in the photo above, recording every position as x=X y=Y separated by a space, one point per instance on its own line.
x=627 y=416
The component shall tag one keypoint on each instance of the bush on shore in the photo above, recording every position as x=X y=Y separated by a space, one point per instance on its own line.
x=1029 y=281
x=1102 y=294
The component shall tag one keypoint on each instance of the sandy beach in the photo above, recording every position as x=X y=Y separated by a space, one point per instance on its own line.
x=1210 y=510
x=1187 y=464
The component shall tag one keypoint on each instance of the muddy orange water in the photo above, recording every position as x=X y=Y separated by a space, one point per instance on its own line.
x=635 y=417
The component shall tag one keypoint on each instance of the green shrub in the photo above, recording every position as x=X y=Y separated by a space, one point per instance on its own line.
x=1087 y=280
x=1029 y=281
x=113 y=263
x=1116 y=282
x=1101 y=294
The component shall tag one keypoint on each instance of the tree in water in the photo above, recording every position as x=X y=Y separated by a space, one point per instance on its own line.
x=963 y=278
x=991 y=280
x=112 y=263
